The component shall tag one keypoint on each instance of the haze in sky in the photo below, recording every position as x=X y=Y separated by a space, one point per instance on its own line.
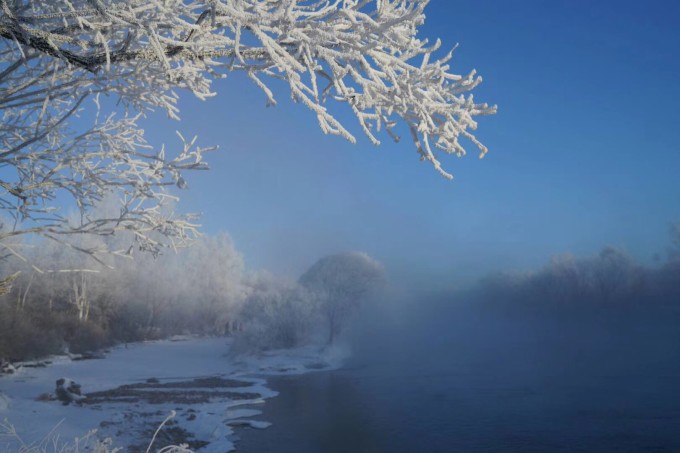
x=583 y=152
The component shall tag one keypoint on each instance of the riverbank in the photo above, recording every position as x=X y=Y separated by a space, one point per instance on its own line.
x=134 y=388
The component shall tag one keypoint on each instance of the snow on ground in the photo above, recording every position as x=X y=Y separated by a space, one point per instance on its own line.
x=4 y=402
x=209 y=390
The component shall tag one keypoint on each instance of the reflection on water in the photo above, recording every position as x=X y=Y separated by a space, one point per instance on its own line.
x=454 y=380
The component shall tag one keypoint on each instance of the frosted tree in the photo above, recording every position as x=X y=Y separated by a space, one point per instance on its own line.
x=277 y=314
x=76 y=77
x=340 y=282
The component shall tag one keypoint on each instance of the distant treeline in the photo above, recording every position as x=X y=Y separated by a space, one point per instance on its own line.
x=63 y=301
x=611 y=279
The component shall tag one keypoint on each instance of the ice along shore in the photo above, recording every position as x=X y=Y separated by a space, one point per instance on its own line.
x=134 y=388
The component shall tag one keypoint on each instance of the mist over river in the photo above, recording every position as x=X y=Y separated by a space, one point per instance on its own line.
x=439 y=377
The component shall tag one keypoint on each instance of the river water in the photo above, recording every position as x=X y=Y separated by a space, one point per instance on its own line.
x=447 y=379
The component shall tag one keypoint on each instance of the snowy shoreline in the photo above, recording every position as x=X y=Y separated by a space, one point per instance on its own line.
x=178 y=368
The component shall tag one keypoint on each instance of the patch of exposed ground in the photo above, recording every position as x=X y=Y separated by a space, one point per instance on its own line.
x=184 y=397
x=196 y=391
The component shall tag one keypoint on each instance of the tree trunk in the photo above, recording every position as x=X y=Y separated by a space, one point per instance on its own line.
x=80 y=297
x=331 y=330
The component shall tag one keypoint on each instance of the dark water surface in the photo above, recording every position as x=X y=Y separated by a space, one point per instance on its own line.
x=449 y=380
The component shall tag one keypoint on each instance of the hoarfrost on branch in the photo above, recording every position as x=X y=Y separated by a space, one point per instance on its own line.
x=58 y=57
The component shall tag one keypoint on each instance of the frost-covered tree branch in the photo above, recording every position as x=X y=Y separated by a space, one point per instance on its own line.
x=56 y=57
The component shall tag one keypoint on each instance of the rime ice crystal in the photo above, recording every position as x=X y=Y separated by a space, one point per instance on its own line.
x=56 y=55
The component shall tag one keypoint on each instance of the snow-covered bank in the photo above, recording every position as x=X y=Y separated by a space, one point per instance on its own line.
x=207 y=410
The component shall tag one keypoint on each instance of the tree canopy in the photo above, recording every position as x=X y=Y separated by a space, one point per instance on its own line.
x=59 y=58
x=340 y=282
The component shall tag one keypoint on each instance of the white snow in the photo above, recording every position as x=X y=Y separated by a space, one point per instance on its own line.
x=135 y=363
x=4 y=402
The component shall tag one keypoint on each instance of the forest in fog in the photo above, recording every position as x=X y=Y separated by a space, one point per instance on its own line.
x=205 y=289
x=611 y=279
x=64 y=301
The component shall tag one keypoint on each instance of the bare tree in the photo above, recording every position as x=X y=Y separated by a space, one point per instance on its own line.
x=56 y=57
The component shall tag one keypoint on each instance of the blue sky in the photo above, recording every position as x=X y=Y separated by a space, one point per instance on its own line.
x=584 y=152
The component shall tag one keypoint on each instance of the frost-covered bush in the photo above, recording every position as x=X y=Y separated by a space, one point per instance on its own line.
x=24 y=337
x=84 y=336
x=128 y=322
x=33 y=335
x=276 y=315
